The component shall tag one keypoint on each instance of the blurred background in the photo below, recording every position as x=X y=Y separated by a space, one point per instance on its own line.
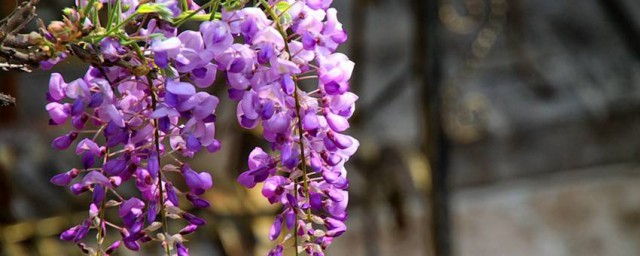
x=487 y=127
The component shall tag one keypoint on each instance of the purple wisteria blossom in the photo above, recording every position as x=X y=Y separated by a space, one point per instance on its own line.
x=147 y=106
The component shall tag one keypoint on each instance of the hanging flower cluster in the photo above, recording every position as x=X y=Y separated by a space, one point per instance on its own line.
x=142 y=103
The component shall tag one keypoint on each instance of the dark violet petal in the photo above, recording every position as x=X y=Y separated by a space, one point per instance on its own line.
x=182 y=250
x=98 y=194
x=64 y=141
x=79 y=121
x=161 y=59
x=194 y=219
x=315 y=200
x=197 y=201
x=246 y=179
x=287 y=85
x=290 y=218
x=153 y=165
x=236 y=94
x=332 y=88
x=61 y=179
x=171 y=99
x=308 y=41
x=164 y=124
x=276 y=251
x=78 y=107
x=192 y=179
x=113 y=247
x=199 y=72
x=82 y=231
x=96 y=100
x=172 y=196
x=236 y=66
x=188 y=229
x=193 y=144
x=88 y=159
x=115 y=166
x=315 y=163
x=78 y=189
x=214 y=146
x=267 y=110
x=152 y=211
x=274 y=232
x=248 y=123
x=69 y=234
x=132 y=245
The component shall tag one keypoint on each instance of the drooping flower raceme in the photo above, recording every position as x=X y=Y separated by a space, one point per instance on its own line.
x=145 y=103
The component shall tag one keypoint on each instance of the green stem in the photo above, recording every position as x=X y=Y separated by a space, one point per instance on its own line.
x=87 y=8
x=214 y=9
x=183 y=20
x=185 y=5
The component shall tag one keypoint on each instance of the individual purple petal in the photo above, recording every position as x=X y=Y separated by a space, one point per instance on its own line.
x=197 y=182
x=315 y=200
x=61 y=179
x=274 y=232
x=132 y=245
x=336 y=122
x=188 y=229
x=194 y=219
x=153 y=165
x=131 y=206
x=277 y=251
x=152 y=211
x=64 y=141
x=115 y=166
x=335 y=227
x=78 y=189
x=197 y=201
x=69 y=234
x=273 y=186
x=57 y=86
x=113 y=247
x=246 y=179
x=58 y=112
x=180 y=88
x=78 y=122
x=98 y=194
x=204 y=77
x=172 y=196
x=114 y=115
x=182 y=250
x=87 y=145
x=95 y=177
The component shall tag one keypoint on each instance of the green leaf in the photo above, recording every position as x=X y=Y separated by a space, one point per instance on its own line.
x=282 y=9
x=197 y=17
x=162 y=10
x=234 y=4
x=282 y=6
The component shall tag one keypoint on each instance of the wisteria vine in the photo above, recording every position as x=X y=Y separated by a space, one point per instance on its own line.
x=142 y=106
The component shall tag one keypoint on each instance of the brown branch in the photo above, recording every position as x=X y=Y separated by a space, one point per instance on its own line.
x=18 y=18
x=6 y=100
